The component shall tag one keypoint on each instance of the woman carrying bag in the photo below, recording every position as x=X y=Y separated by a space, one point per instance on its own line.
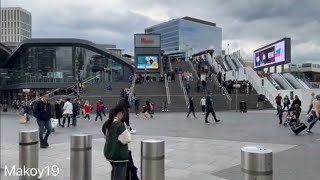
x=116 y=146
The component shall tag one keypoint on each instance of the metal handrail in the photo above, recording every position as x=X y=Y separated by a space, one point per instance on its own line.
x=49 y=92
x=223 y=89
x=194 y=70
x=83 y=83
x=167 y=88
x=183 y=89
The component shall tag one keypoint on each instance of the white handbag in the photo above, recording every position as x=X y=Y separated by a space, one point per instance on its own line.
x=54 y=123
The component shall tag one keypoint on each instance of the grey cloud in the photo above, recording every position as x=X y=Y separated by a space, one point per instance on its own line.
x=247 y=24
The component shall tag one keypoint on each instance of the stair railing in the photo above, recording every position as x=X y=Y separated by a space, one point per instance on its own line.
x=167 y=89
x=223 y=89
x=194 y=70
x=49 y=93
x=183 y=89
x=85 y=82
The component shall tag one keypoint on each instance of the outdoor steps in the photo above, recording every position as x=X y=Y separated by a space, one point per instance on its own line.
x=100 y=88
x=150 y=88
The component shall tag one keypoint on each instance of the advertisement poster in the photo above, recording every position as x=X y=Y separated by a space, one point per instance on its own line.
x=272 y=54
x=148 y=62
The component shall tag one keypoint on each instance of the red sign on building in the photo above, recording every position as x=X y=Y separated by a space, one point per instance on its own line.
x=146 y=40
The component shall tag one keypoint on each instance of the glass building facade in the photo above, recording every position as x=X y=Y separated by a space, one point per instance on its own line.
x=188 y=34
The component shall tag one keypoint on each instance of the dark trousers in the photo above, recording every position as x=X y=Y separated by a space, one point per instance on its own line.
x=59 y=120
x=213 y=114
x=64 y=119
x=136 y=109
x=44 y=126
x=74 y=120
x=191 y=110
x=99 y=115
x=280 y=118
x=310 y=108
x=313 y=122
x=286 y=106
x=126 y=116
x=203 y=108
x=87 y=116
x=119 y=170
x=278 y=103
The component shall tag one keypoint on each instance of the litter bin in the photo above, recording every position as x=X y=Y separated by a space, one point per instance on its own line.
x=256 y=163
x=243 y=106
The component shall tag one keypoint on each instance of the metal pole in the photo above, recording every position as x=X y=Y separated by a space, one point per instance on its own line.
x=236 y=99
x=29 y=153
x=256 y=163
x=81 y=157
x=152 y=159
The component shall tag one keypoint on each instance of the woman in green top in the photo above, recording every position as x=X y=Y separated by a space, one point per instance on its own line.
x=116 y=147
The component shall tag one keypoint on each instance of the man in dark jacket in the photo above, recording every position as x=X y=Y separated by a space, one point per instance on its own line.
x=43 y=115
x=209 y=108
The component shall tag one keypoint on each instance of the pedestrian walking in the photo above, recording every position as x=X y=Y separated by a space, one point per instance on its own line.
x=209 y=108
x=103 y=108
x=116 y=149
x=67 y=112
x=203 y=105
x=75 y=110
x=43 y=114
x=311 y=103
x=58 y=111
x=280 y=111
x=316 y=112
x=136 y=104
x=278 y=99
x=87 y=110
x=297 y=103
x=98 y=110
x=191 y=107
x=286 y=102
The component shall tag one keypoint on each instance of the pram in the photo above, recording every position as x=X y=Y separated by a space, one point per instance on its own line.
x=291 y=118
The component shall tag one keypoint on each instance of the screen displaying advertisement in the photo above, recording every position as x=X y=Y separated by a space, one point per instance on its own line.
x=273 y=54
x=148 y=62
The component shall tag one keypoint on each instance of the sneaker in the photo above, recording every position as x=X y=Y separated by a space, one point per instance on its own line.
x=309 y=132
x=218 y=120
x=133 y=131
x=207 y=121
x=43 y=146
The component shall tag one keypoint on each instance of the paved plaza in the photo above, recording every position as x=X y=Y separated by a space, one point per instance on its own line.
x=194 y=150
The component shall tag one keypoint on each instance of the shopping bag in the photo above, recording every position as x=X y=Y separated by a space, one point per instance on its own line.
x=23 y=119
x=54 y=123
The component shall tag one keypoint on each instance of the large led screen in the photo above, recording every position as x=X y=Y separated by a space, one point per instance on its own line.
x=147 y=62
x=274 y=54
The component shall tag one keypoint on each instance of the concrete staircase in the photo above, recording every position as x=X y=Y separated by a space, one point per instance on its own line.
x=155 y=91
x=98 y=91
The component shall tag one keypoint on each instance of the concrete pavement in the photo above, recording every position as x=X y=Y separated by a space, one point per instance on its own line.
x=194 y=150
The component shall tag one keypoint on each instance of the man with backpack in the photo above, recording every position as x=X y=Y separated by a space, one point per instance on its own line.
x=42 y=113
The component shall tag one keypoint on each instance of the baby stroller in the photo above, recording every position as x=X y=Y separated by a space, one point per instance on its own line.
x=291 y=118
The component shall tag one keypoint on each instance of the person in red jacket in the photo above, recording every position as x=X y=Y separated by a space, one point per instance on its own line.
x=99 y=110
x=87 y=110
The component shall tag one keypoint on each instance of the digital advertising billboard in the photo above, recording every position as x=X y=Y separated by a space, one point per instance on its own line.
x=147 y=40
x=273 y=54
x=148 y=62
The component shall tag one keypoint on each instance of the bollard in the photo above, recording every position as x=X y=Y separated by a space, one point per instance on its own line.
x=256 y=163
x=29 y=153
x=81 y=157
x=152 y=159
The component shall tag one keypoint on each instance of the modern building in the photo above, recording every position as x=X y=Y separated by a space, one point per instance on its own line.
x=46 y=64
x=16 y=24
x=188 y=35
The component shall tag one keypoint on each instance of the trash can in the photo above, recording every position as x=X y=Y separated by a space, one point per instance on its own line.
x=256 y=163
x=243 y=106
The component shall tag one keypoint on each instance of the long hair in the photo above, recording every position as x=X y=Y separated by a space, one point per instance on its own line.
x=112 y=113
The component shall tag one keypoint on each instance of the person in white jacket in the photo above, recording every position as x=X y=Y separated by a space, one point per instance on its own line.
x=67 y=111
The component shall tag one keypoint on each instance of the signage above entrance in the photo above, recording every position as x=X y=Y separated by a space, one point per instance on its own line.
x=147 y=40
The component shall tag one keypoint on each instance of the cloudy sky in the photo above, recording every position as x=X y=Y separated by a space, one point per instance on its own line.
x=246 y=24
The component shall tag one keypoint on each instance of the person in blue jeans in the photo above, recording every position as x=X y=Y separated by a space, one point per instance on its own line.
x=43 y=114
